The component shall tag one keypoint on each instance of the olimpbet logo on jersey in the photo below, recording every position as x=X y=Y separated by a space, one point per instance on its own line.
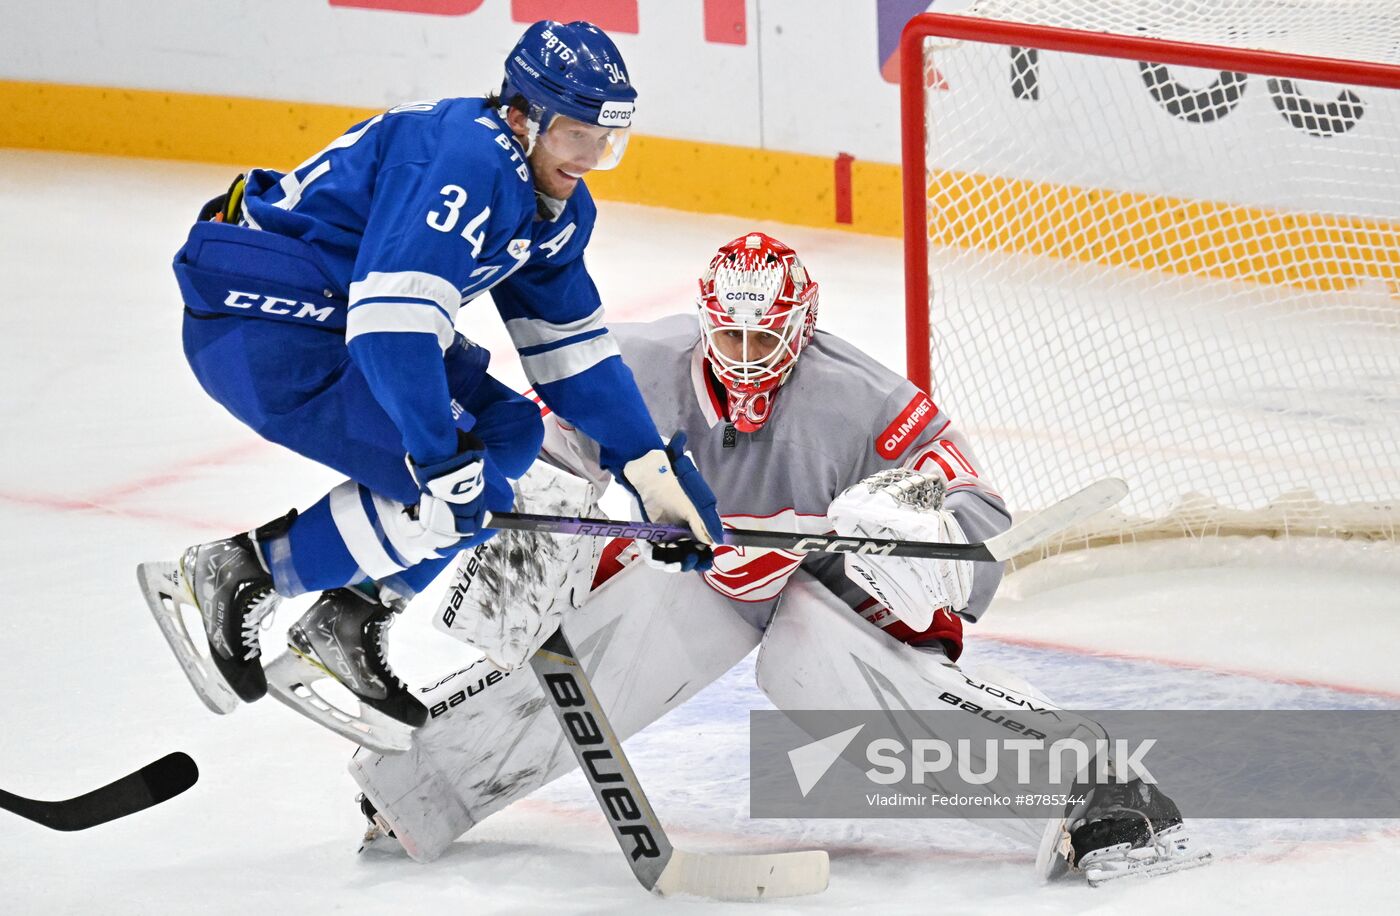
x=1033 y=761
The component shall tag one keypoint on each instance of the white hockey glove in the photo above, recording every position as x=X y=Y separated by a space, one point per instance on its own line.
x=453 y=500
x=509 y=595
x=671 y=491
x=905 y=504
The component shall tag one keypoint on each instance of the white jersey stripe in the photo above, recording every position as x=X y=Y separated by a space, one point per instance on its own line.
x=408 y=284
x=399 y=317
x=553 y=365
x=532 y=332
x=357 y=531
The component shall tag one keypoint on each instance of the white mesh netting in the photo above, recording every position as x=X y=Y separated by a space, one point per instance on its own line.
x=1185 y=276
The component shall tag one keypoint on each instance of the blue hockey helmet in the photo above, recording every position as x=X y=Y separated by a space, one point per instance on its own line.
x=572 y=69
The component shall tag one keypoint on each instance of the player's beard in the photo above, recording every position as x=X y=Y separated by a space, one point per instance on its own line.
x=549 y=175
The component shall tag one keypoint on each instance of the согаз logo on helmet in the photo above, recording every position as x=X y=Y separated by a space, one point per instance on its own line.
x=618 y=114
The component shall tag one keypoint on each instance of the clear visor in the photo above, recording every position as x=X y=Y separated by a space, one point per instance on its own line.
x=583 y=147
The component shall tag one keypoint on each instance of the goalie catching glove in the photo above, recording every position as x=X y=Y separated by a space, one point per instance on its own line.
x=671 y=491
x=900 y=503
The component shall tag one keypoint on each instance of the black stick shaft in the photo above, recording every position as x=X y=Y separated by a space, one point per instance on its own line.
x=739 y=537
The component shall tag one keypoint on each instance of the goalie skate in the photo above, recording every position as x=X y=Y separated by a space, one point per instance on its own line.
x=1170 y=850
x=169 y=602
x=378 y=835
x=1115 y=841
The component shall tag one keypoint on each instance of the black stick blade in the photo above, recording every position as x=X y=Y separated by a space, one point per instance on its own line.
x=169 y=776
x=154 y=783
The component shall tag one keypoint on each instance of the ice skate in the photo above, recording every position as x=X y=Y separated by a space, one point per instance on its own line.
x=378 y=834
x=1126 y=830
x=225 y=584
x=342 y=638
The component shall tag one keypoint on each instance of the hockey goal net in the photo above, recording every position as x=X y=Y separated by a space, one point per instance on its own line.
x=1160 y=239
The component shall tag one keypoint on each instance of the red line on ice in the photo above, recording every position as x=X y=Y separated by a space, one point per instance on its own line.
x=231 y=454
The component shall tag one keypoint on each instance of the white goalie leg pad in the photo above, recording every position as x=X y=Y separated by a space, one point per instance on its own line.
x=508 y=595
x=171 y=605
x=904 y=504
x=819 y=654
x=648 y=641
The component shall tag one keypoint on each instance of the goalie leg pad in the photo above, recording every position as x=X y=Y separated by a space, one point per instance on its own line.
x=818 y=654
x=648 y=640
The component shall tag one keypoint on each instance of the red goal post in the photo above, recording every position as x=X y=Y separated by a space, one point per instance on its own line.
x=1363 y=504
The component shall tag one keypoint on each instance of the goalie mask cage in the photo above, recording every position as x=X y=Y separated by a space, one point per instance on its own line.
x=1161 y=240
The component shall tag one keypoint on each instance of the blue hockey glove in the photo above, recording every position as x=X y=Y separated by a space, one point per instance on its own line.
x=453 y=501
x=669 y=489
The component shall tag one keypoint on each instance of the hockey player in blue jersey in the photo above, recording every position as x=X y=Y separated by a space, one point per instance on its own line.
x=320 y=306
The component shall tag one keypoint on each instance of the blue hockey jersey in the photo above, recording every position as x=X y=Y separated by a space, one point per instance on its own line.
x=416 y=212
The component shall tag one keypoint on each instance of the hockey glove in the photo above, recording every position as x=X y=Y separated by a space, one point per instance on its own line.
x=670 y=490
x=453 y=501
x=903 y=503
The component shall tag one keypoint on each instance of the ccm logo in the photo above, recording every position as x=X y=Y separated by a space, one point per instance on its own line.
x=841 y=545
x=276 y=305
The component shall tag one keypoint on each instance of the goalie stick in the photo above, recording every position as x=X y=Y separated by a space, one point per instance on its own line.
x=659 y=866
x=154 y=783
x=1019 y=537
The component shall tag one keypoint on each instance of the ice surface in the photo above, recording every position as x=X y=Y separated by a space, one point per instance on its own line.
x=113 y=455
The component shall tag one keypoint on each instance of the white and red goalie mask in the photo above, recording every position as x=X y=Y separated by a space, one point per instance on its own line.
x=758 y=309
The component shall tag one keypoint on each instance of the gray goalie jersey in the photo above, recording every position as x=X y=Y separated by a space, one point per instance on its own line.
x=840 y=417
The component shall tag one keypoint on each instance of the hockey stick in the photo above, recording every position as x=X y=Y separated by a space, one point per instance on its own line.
x=152 y=784
x=1019 y=537
x=660 y=867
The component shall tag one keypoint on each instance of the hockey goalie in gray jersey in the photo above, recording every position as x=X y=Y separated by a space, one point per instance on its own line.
x=795 y=429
